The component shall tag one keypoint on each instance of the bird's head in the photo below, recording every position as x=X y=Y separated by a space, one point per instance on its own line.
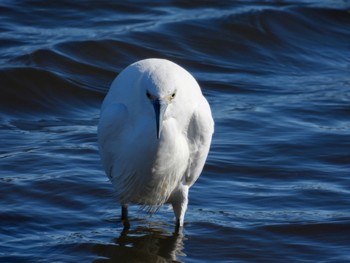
x=160 y=104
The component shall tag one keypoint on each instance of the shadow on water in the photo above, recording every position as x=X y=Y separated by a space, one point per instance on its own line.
x=143 y=244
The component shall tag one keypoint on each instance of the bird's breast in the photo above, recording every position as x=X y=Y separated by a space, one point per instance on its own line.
x=157 y=166
x=172 y=152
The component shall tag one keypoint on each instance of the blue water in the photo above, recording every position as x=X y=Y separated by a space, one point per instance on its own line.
x=276 y=185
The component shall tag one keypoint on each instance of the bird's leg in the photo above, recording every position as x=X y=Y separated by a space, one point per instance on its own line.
x=124 y=211
x=180 y=206
x=178 y=226
x=125 y=218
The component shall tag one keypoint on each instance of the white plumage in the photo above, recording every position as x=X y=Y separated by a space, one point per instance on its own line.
x=154 y=135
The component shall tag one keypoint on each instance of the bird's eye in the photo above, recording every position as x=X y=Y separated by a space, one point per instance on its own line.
x=148 y=95
x=173 y=95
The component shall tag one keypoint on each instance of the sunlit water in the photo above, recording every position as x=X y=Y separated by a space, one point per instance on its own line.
x=276 y=185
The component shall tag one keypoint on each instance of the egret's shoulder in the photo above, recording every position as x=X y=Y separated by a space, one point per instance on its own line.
x=199 y=134
x=202 y=119
x=111 y=118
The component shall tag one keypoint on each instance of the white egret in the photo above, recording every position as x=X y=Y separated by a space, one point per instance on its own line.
x=154 y=135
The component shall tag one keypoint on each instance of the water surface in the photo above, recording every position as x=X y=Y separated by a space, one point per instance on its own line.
x=276 y=185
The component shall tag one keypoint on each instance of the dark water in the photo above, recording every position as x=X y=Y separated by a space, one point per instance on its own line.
x=276 y=185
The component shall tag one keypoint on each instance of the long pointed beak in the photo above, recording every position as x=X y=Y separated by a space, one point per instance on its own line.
x=159 y=108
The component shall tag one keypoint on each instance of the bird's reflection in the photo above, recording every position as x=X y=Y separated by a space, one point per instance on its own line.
x=143 y=244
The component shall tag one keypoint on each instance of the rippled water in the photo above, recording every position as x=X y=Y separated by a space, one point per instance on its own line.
x=276 y=185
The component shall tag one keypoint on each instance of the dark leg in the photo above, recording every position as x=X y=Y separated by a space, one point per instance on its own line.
x=178 y=227
x=125 y=219
x=124 y=212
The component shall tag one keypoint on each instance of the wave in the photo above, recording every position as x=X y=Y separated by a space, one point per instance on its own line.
x=26 y=89
x=251 y=41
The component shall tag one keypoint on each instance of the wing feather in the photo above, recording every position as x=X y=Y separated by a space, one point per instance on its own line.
x=110 y=127
x=200 y=131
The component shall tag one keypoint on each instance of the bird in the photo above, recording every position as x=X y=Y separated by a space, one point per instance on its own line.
x=154 y=135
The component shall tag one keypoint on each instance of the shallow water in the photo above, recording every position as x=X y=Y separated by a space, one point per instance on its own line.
x=276 y=185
